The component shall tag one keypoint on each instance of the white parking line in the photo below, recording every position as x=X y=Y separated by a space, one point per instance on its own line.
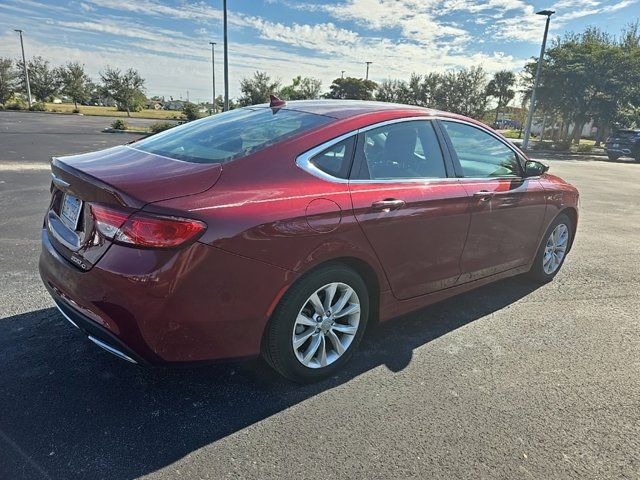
x=23 y=167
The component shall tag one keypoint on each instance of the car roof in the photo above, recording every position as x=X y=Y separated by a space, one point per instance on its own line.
x=350 y=108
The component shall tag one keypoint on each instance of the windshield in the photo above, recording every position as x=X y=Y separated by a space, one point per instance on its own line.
x=226 y=136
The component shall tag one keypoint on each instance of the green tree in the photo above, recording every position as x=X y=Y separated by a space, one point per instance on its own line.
x=302 y=88
x=76 y=84
x=126 y=88
x=8 y=80
x=257 y=89
x=588 y=76
x=391 y=91
x=462 y=92
x=191 y=111
x=459 y=92
x=43 y=79
x=501 y=87
x=352 y=88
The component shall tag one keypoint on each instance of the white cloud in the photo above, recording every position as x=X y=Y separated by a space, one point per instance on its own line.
x=417 y=19
x=322 y=37
x=530 y=27
x=174 y=61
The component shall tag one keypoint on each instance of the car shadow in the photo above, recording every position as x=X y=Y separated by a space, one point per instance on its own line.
x=70 y=410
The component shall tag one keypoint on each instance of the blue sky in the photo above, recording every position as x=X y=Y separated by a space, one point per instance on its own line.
x=167 y=41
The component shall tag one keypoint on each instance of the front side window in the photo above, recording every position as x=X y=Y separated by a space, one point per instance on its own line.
x=401 y=151
x=336 y=160
x=480 y=154
x=229 y=135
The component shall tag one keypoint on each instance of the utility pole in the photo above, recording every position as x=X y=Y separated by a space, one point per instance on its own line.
x=213 y=70
x=368 y=63
x=342 y=74
x=226 y=58
x=24 y=64
x=527 y=130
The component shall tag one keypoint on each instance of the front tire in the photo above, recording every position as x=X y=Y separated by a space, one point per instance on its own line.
x=318 y=324
x=553 y=249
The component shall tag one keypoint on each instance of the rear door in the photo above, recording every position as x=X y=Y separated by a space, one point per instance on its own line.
x=413 y=213
x=507 y=209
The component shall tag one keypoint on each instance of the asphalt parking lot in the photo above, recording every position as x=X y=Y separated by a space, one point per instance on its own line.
x=513 y=380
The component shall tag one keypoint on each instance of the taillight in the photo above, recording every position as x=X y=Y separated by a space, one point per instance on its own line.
x=143 y=229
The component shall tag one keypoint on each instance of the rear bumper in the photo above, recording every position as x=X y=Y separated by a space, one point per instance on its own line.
x=97 y=334
x=194 y=304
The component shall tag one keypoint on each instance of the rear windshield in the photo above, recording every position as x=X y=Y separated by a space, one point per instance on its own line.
x=229 y=135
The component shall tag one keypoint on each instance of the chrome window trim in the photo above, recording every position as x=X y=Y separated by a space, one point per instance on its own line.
x=304 y=159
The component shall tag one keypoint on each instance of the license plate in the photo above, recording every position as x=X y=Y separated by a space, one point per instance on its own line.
x=70 y=211
x=616 y=145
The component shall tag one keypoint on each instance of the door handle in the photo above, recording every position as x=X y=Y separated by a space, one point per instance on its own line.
x=388 y=204
x=484 y=195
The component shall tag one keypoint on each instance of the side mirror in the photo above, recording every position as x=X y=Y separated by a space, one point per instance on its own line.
x=534 y=169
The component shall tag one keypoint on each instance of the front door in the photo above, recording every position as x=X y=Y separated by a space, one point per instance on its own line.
x=414 y=216
x=507 y=210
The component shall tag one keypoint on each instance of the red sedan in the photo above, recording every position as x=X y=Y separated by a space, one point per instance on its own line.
x=284 y=230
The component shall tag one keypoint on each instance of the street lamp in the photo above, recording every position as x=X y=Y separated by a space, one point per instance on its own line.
x=24 y=64
x=368 y=63
x=342 y=73
x=527 y=130
x=226 y=57
x=213 y=72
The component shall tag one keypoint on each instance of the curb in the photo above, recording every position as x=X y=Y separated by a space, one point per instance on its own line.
x=115 y=130
x=577 y=154
x=48 y=112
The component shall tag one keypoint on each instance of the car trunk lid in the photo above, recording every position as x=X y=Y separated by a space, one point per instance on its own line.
x=121 y=177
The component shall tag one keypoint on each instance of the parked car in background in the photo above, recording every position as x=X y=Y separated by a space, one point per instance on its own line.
x=623 y=143
x=286 y=230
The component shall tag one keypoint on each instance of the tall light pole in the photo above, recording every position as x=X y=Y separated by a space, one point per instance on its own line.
x=342 y=73
x=527 y=129
x=226 y=58
x=213 y=73
x=368 y=63
x=24 y=64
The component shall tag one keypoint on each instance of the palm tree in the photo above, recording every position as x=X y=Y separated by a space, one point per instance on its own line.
x=501 y=88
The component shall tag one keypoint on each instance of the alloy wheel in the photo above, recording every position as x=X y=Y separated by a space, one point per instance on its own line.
x=555 y=249
x=326 y=325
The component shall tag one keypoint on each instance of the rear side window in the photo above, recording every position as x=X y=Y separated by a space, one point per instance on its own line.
x=336 y=160
x=229 y=135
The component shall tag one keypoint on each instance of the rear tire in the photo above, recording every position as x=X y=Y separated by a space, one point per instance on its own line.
x=613 y=157
x=553 y=250
x=327 y=309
